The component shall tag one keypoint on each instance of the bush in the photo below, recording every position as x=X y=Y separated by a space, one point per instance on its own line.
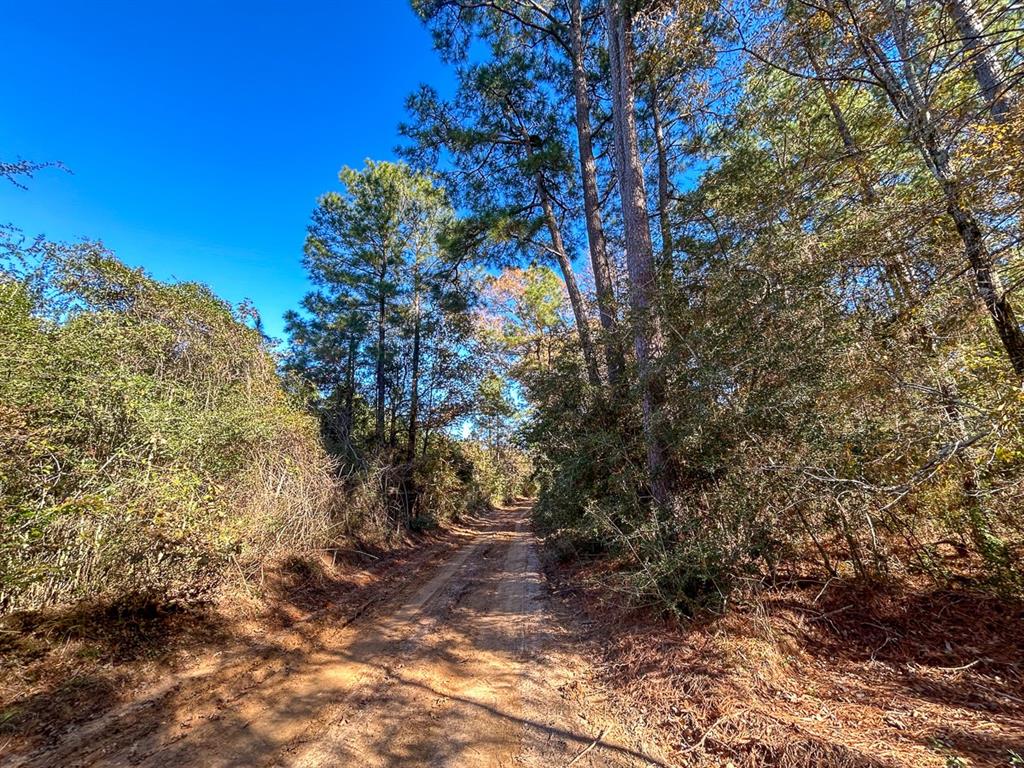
x=848 y=454
x=146 y=442
x=383 y=498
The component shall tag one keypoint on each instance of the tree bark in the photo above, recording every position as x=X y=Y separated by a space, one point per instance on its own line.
x=599 y=261
x=647 y=338
x=579 y=309
x=988 y=70
x=414 y=395
x=988 y=282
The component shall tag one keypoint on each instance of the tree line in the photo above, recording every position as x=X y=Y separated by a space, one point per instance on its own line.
x=386 y=349
x=158 y=447
x=789 y=235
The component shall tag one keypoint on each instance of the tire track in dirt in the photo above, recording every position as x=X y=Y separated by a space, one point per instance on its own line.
x=463 y=669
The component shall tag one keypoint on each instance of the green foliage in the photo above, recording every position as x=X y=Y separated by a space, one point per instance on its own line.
x=147 y=443
x=833 y=399
x=387 y=322
x=388 y=346
x=817 y=420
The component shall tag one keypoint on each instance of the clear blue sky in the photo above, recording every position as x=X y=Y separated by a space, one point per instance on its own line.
x=201 y=133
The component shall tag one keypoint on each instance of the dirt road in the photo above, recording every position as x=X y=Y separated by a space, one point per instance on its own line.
x=464 y=664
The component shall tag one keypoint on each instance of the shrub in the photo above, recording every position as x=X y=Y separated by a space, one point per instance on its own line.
x=146 y=442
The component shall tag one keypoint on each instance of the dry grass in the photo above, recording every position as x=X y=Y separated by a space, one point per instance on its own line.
x=820 y=674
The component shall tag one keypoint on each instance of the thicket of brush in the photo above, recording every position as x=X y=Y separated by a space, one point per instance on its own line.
x=824 y=454
x=150 y=449
x=147 y=446
x=386 y=495
x=804 y=352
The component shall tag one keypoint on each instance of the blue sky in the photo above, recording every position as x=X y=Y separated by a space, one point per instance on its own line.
x=201 y=133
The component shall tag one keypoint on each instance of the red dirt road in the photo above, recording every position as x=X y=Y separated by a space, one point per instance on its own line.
x=463 y=664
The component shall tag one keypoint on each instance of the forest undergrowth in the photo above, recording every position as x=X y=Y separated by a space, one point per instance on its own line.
x=813 y=673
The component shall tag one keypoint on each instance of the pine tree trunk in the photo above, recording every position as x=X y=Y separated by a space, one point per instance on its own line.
x=647 y=338
x=599 y=261
x=988 y=283
x=988 y=70
x=414 y=393
x=579 y=310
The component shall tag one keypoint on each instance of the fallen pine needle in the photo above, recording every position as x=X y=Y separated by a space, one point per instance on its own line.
x=718 y=722
x=589 y=747
x=959 y=669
